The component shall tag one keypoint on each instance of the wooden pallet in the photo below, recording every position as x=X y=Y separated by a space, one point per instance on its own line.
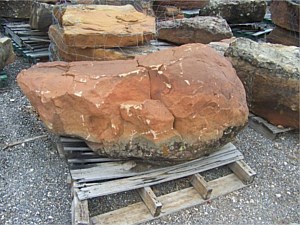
x=94 y=176
x=31 y=44
x=265 y=128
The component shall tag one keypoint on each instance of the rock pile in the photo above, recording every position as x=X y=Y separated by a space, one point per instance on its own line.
x=285 y=14
x=99 y=32
x=6 y=52
x=176 y=105
x=270 y=74
x=200 y=29
x=236 y=11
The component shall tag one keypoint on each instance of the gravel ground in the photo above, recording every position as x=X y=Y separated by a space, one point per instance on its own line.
x=33 y=187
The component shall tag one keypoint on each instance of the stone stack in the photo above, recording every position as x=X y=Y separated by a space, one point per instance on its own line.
x=285 y=15
x=99 y=32
x=6 y=52
x=236 y=11
x=176 y=105
x=270 y=74
x=15 y=8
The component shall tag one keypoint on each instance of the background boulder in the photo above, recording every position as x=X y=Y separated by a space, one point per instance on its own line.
x=270 y=74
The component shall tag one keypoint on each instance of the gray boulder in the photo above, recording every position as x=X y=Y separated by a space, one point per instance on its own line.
x=200 y=29
x=236 y=11
x=41 y=16
x=15 y=8
x=270 y=74
x=6 y=52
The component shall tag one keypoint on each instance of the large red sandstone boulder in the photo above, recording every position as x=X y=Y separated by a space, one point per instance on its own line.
x=95 y=26
x=177 y=104
x=270 y=73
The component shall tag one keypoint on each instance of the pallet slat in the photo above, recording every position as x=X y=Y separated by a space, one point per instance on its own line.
x=173 y=202
x=150 y=200
x=161 y=175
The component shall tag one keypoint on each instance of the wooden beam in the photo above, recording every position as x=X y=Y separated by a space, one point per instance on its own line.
x=201 y=186
x=242 y=171
x=80 y=211
x=150 y=200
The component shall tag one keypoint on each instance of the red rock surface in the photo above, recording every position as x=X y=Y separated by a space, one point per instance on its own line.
x=176 y=104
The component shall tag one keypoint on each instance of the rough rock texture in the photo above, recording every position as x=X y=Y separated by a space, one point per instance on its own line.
x=270 y=74
x=221 y=46
x=176 y=104
x=286 y=14
x=194 y=30
x=15 y=8
x=144 y=6
x=6 y=52
x=282 y=36
x=61 y=52
x=182 y=4
x=236 y=11
x=104 y=26
x=41 y=16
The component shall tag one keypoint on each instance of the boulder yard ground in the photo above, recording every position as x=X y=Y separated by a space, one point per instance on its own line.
x=33 y=188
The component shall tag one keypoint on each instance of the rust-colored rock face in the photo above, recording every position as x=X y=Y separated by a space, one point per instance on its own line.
x=177 y=104
x=95 y=26
x=286 y=14
x=270 y=73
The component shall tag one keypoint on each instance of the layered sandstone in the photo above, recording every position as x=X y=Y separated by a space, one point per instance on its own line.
x=95 y=26
x=175 y=105
x=270 y=74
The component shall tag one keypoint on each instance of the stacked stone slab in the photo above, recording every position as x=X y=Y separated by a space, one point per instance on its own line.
x=15 y=8
x=236 y=11
x=99 y=32
x=6 y=52
x=200 y=29
x=270 y=74
x=177 y=104
x=285 y=15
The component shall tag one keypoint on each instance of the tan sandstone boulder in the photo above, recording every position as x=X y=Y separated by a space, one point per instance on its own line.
x=270 y=73
x=95 y=26
x=176 y=105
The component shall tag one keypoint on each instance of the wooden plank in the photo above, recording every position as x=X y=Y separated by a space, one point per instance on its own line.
x=242 y=171
x=15 y=37
x=201 y=186
x=162 y=175
x=265 y=128
x=80 y=211
x=150 y=200
x=70 y=139
x=173 y=202
x=115 y=170
x=77 y=149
